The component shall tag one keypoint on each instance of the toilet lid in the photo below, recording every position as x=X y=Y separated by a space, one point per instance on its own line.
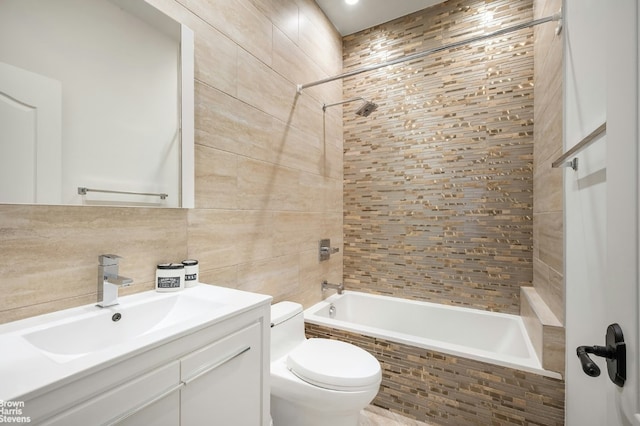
x=336 y=365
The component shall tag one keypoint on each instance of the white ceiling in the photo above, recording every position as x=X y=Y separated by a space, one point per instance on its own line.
x=349 y=19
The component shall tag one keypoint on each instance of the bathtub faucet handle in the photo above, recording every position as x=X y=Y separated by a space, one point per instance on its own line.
x=329 y=250
x=326 y=250
x=326 y=285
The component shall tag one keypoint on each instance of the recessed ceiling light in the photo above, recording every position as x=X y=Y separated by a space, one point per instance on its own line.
x=351 y=1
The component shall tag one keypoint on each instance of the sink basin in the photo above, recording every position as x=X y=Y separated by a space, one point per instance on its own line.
x=49 y=350
x=102 y=328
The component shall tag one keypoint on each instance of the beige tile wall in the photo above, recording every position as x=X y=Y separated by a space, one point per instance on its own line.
x=439 y=180
x=50 y=253
x=548 y=255
x=268 y=174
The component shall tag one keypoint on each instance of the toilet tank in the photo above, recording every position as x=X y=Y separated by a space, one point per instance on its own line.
x=287 y=328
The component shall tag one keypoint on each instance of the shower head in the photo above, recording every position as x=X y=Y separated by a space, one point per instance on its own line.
x=364 y=111
x=367 y=108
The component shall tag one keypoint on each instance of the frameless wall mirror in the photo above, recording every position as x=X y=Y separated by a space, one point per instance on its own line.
x=96 y=104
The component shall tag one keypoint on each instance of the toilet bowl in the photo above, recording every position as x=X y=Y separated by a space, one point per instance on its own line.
x=316 y=382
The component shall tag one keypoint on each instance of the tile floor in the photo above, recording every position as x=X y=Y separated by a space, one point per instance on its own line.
x=376 y=416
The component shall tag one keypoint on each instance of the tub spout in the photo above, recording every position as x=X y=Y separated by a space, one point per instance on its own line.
x=339 y=287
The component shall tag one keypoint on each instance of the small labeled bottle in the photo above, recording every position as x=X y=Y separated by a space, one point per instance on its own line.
x=169 y=277
x=190 y=272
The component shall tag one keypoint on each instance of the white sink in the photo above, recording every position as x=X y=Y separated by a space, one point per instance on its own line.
x=49 y=350
x=102 y=328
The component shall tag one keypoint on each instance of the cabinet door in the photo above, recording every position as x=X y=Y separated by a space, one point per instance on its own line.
x=152 y=399
x=223 y=382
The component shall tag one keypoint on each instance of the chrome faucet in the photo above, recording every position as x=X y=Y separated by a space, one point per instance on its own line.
x=339 y=287
x=109 y=280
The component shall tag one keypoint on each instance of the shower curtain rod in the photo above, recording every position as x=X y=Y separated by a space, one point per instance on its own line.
x=554 y=17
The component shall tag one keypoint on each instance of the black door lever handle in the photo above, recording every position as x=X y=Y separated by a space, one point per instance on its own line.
x=614 y=352
x=588 y=366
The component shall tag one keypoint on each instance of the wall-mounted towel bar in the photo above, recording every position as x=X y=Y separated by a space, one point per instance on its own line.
x=83 y=191
x=562 y=160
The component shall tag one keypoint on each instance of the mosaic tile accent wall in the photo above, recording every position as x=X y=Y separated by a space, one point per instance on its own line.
x=445 y=390
x=438 y=182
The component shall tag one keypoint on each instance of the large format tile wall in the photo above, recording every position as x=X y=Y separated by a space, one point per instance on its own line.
x=439 y=180
x=548 y=254
x=542 y=306
x=268 y=174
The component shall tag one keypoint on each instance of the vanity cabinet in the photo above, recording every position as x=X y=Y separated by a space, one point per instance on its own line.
x=221 y=380
x=215 y=376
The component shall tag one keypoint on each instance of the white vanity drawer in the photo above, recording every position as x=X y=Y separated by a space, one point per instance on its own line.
x=152 y=399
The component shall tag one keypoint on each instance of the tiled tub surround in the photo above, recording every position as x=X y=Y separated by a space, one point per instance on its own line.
x=268 y=174
x=442 y=389
x=439 y=204
x=438 y=182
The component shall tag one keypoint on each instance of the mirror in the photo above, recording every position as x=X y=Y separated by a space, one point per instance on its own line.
x=95 y=94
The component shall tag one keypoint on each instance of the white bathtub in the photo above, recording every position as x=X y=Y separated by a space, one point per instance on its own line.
x=490 y=337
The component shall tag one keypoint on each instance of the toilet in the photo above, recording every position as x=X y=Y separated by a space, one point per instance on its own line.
x=316 y=382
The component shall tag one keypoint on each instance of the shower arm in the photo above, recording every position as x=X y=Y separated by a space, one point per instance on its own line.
x=325 y=106
x=554 y=17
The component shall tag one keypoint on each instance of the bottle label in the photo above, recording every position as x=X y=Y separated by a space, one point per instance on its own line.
x=190 y=277
x=168 y=282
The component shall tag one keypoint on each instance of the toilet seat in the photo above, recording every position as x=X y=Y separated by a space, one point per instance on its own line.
x=335 y=365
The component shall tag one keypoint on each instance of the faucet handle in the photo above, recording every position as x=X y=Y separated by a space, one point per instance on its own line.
x=108 y=259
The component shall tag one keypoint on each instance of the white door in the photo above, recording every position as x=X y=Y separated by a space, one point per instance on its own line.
x=602 y=205
x=30 y=137
x=622 y=289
